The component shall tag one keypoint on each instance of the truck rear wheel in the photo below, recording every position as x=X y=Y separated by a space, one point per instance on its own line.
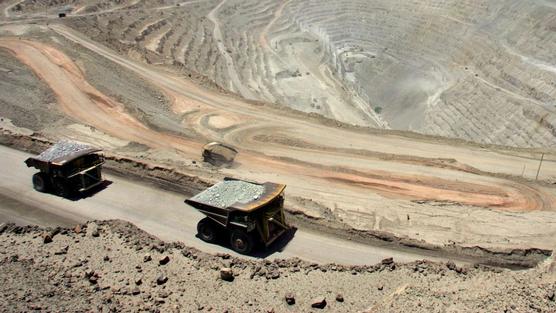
x=207 y=230
x=241 y=241
x=40 y=182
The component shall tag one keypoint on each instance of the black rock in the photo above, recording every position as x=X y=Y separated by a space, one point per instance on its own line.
x=164 y=260
x=318 y=303
x=290 y=298
x=161 y=280
x=147 y=258
x=47 y=238
x=93 y=279
x=226 y=274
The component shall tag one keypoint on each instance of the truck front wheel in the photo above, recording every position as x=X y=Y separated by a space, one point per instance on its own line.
x=207 y=230
x=241 y=241
x=40 y=182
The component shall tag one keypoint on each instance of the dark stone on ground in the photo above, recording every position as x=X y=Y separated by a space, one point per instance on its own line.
x=318 y=302
x=290 y=298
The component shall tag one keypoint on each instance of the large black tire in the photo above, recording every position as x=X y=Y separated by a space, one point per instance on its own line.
x=241 y=241
x=61 y=189
x=207 y=230
x=40 y=182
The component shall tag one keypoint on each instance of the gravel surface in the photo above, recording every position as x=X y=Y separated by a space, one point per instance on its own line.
x=24 y=98
x=115 y=267
x=226 y=193
x=60 y=149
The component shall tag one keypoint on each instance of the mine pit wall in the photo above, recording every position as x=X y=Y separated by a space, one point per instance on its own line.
x=188 y=185
x=380 y=93
x=453 y=90
x=425 y=82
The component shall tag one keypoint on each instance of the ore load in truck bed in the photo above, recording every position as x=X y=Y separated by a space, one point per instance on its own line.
x=63 y=151
x=228 y=192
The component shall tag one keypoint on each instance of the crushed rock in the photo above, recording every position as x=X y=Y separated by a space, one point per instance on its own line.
x=60 y=149
x=228 y=192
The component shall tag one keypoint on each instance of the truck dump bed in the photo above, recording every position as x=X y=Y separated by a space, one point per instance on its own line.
x=60 y=153
x=237 y=195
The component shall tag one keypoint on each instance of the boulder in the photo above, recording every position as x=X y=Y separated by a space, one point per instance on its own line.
x=161 y=280
x=219 y=154
x=46 y=238
x=164 y=260
x=226 y=274
x=93 y=279
x=318 y=303
x=62 y=251
x=92 y=230
x=147 y=257
x=290 y=298
x=339 y=297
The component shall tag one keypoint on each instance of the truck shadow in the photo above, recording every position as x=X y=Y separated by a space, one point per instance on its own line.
x=259 y=251
x=91 y=192
x=277 y=246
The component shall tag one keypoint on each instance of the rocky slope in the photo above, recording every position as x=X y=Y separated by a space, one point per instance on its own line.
x=112 y=266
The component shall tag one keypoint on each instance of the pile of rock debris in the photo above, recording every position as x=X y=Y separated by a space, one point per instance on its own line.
x=110 y=266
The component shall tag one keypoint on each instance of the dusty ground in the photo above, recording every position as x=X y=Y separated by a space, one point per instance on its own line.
x=114 y=266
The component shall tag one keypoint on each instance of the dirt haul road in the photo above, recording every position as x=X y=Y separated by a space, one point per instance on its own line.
x=360 y=172
x=159 y=212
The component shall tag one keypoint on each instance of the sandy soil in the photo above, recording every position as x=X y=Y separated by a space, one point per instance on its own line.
x=114 y=266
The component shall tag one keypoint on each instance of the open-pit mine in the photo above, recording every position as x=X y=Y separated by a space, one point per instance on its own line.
x=406 y=129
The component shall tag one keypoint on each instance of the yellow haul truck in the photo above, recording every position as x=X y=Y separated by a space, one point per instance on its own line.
x=246 y=212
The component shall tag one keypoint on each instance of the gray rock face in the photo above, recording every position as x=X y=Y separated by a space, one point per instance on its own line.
x=226 y=193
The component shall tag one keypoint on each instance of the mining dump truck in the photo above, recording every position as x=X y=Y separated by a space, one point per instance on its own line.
x=67 y=168
x=246 y=213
